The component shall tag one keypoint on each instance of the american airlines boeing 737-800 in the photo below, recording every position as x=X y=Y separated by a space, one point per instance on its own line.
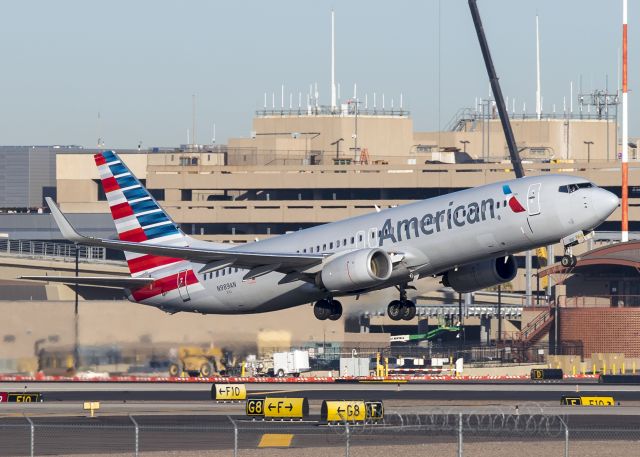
x=467 y=237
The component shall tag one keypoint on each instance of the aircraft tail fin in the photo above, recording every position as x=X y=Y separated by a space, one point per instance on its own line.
x=137 y=215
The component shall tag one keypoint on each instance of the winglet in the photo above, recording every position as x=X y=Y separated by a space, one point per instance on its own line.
x=63 y=224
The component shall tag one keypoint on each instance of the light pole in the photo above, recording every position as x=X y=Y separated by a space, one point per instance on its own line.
x=464 y=145
x=588 y=143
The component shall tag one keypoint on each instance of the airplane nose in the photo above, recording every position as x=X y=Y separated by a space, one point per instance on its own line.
x=605 y=203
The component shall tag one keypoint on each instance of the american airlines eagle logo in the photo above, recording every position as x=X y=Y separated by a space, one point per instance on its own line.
x=514 y=204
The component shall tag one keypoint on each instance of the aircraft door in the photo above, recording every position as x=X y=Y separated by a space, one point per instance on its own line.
x=182 y=285
x=533 y=199
x=371 y=238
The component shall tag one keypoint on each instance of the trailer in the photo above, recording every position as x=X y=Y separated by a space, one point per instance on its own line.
x=290 y=363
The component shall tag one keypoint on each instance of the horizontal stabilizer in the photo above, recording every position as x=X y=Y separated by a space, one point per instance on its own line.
x=105 y=281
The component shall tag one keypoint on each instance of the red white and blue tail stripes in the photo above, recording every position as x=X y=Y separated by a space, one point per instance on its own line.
x=138 y=218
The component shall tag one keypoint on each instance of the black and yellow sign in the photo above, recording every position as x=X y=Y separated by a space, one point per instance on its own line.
x=546 y=374
x=25 y=397
x=341 y=411
x=587 y=401
x=228 y=392
x=289 y=408
x=352 y=411
x=255 y=407
x=375 y=410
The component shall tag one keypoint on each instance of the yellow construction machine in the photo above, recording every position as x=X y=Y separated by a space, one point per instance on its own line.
x=199 y=361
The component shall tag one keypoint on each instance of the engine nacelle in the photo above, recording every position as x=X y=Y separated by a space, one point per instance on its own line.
x=356 y=270
x=480 y=275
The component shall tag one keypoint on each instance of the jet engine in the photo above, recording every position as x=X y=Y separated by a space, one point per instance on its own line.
x=355 y=270
x=480 y=275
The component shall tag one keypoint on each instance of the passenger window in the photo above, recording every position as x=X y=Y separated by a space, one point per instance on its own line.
x=324 y=247
x=331 y=245
x=344 y=242
x=304 y=250
x=217 y=273
x=318 y=248
x=352 y=240
x=359 y=237
x=223 y=272
x=498 y=205
x=338 y=244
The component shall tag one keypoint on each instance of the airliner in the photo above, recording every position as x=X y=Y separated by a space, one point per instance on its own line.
x=468 y=238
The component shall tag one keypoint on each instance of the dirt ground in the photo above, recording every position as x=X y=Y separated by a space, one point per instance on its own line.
x=470 y=449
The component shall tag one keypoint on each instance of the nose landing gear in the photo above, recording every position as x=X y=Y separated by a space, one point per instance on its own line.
x=402 y=309
x=568 y=260
x=327 y=309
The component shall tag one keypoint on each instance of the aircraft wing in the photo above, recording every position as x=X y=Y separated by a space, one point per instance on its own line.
x=107 y=281
x=262 y=262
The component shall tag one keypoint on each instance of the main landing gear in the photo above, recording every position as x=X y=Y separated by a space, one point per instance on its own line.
x=327 y=309
x=402 y=309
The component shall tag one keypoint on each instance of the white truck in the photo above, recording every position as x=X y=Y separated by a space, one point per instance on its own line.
x=290 y=363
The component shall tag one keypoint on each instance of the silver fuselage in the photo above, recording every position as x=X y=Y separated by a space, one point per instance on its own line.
x=431 y=236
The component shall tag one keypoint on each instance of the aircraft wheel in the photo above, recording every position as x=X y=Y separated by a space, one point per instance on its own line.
x=322 y=309
x=568 y=261
x=394 y=310
x=336 y=310
x=408 y=310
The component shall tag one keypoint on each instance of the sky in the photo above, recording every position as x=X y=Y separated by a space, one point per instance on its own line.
x=138 y=63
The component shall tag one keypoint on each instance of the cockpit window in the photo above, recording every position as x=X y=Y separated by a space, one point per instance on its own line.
x=570 y=188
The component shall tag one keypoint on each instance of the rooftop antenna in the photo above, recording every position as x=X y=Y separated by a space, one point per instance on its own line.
x=193 y=118
x=333 y=62
x=538 y=91
x=624 y=235
x=316 y=93
x=497 y=92
x=98 y=125
x=213 y=139
x=571 y=97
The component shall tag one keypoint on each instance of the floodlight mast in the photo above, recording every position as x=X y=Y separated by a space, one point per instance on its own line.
x=497 y=92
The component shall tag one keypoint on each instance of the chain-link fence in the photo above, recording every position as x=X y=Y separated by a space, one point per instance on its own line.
x=436 y=433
